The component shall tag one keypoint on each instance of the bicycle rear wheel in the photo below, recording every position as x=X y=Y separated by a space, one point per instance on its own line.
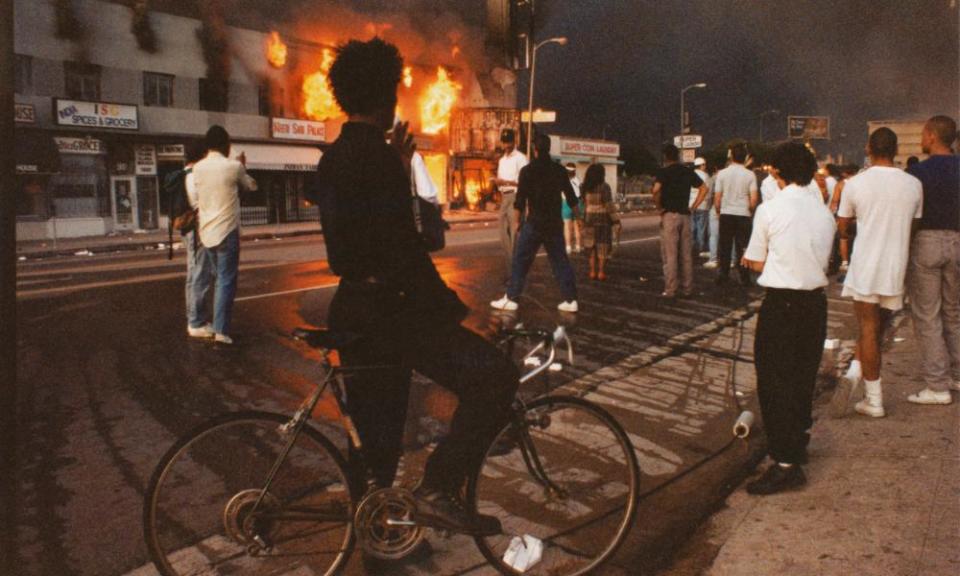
x=567 y=477
x=205 y=510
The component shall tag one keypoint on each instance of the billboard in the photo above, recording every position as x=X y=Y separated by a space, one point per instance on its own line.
x=808 y=127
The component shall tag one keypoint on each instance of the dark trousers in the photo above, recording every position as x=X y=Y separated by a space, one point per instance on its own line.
x=788 y=347
x=483 y=378
x=532 y=236
x=734 y=232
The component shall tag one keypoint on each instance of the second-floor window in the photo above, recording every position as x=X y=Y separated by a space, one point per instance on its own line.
x=213 y=96
x=23 y=74
x=157 y=89
x=82 y=81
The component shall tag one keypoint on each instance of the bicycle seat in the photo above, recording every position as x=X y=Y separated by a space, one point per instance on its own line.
x=329 y=339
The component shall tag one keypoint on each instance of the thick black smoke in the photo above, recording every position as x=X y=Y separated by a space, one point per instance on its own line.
x=214 y=39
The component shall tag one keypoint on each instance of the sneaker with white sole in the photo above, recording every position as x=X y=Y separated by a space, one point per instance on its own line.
x=928 y=396
x=710 y=265
x=204 y=331
x=570 y=306
x=504 y=303
x=223 y=339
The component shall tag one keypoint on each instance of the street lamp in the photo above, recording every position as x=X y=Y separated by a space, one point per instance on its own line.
x=683 y=116
x=764 y=115
x=561 y=40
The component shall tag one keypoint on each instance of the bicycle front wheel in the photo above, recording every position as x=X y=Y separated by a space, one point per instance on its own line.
x=568 y=477
x=209 y=509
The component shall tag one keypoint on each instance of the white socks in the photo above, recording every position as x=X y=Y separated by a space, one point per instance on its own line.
x=872 y=403
x=855 y=371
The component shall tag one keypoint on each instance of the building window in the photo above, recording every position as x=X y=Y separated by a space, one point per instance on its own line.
x=213 y=95
x=23 y=74
x=264 y=99
x=82 y=81
x=157 y=89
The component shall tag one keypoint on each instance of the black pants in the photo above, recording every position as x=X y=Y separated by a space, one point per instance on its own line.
x=734 y=231
x=483 y=378
x=788 y=348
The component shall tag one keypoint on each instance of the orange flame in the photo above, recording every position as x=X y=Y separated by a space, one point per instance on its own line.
x=472 y=191
x=408 y=76
x=455 y=52
x=437 y=103
x=318 y=101
x=276 y=51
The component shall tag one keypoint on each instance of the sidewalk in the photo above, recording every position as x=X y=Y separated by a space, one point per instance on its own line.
x=158 y=239
x=883 y=495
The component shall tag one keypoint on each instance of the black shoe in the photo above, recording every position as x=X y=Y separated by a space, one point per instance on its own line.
x=777 y=479
x=440 y=509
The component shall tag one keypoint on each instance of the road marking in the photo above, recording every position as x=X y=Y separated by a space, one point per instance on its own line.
x=285 y=292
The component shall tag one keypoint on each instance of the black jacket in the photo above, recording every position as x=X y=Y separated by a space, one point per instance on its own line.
x=366 y=213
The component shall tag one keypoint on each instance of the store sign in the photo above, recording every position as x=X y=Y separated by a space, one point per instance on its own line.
x=24 y=114
x=688 y=141
x=171 y=151
x=145 y=159
x=809 y=127
x=540 y=116
x=589 y=148
x=66 y=145
x=288 y=129
x=27 y=169
x=96 y=115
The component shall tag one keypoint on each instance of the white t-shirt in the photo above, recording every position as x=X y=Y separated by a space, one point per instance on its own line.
x=421 y=179
x=694 y=192
x=831 y=186
x=191 y=190
x=884 y=200
x=793 y=235
x=736 y=182
x=769 y=188
x=575 y=182
x=218 y=181
x=508 y=168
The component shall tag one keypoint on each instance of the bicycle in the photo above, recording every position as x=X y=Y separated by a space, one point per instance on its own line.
x=266 y=493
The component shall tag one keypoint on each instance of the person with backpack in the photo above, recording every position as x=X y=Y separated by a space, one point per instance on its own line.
x=184 y=203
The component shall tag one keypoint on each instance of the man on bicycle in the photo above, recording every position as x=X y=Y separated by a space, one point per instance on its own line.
x=392 y=296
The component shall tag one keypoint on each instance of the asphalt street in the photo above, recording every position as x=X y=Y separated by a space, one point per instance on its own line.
x=108 y=379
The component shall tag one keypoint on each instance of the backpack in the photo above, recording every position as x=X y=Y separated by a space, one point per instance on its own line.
x=182 y=216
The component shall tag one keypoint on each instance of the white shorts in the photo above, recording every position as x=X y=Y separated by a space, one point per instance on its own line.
x=888 y=302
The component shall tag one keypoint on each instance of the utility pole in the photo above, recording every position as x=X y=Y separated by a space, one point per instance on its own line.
x=8 y=293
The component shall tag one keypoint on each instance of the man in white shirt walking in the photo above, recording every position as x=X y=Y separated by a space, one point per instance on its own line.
x=508 y=177
x=790 y=246
x=885 y=202
x=219 y=180
x=735 y=198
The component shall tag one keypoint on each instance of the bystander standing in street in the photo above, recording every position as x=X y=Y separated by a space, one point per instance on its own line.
x=199 y=265
x=701 y=214
x=790 y=248
x=671 y=194
x=714 y=240
x=735 y=198
x=219 y=181
x=934 y=279
x=543 y=186
x=884 y=201
x=508 y=175
x=572 y=233
x=600 y=217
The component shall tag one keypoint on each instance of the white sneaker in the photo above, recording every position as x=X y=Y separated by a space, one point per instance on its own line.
x=928 y=396
x=867 y=409
x=504 y=303
x=704 y=254
x=204 y=331
x=223 y=339
x=710 y=265
x=570 y=306
x=569 y=249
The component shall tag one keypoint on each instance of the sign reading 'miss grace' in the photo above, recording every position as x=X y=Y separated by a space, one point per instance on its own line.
x=96 y=115
x=289 y=129
x=589 y=147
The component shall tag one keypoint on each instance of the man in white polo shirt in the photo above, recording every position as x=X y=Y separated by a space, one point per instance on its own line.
x=735 y=198
x=508 y=177
x=790 y=246
x=218 y=180
x=885 y=201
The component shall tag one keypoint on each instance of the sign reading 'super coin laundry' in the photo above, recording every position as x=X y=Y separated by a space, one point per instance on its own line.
x=96 y=115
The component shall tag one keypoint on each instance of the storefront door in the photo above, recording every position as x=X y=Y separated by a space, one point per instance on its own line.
x=148 y=202
x=123 y=199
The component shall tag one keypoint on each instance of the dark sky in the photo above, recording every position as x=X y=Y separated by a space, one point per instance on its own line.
x=853 y=60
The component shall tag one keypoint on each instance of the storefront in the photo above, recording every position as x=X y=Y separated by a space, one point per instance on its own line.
x=584 y=152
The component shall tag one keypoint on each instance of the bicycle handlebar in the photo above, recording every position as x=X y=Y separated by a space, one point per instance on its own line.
x=549 y=341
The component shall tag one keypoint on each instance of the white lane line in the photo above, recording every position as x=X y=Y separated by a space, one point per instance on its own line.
x=285 y=292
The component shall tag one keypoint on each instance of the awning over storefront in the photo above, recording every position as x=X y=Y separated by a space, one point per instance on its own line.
x=278 y=157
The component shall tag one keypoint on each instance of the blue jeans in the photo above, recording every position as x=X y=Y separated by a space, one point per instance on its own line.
x=700 y=222
x=226 y=262
x=199 y=278
x=714 y=234
x=529 y=241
